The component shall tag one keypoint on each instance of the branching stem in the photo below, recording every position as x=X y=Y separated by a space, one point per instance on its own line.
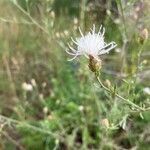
x=30 y=17
x=8 y=121
x=122 y=98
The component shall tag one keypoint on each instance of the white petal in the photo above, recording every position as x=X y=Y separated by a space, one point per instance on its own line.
x=72 y=58
x=74 y=41
x=110 y=47
x=72 y=48
x=70 y=53
x=81 y=32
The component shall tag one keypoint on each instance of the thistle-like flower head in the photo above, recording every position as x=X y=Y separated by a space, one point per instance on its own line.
x=92 y=44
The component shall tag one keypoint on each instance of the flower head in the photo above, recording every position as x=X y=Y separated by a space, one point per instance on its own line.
x=92 y=44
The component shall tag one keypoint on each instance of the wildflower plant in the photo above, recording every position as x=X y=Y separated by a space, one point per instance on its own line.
x=43 y=99
x=92 y=45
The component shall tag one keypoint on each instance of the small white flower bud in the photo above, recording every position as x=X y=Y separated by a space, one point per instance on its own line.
x=146 y=90
x=45 y=110
x=105 y=123
x=27 y=86
x=81 y=108
x=33 y=82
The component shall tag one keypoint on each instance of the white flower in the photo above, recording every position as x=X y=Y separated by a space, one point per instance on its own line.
x=33 y=82
x=91 y=44
x=27 y=86
x=146 y=90
x=81 y=108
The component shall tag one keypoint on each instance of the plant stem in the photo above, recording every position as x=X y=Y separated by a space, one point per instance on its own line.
x=31 y=18
x=9 y=121
x=82 y=13
x=119 y=96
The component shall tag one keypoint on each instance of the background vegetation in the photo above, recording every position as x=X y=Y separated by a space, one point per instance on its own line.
x=49 y=103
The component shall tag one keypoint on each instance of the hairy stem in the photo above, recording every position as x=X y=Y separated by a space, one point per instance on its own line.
x=119 y=96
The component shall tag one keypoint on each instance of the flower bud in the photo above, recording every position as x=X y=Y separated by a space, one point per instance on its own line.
x=105 y=123
x=94 y=64
x=27 y=86
x=108 y=83
x=45 y=110
x=143 y=35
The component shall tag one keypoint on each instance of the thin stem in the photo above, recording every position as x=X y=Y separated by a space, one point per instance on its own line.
x=82 y=13
x=124 y=35
x=15 y=21
x=119 y=96
x=9 y=121
x=29 y=16
x=139 y=59
x=16 y=143
x=120 y=7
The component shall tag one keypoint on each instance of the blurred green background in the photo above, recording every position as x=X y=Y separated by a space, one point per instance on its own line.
x=49 y=103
